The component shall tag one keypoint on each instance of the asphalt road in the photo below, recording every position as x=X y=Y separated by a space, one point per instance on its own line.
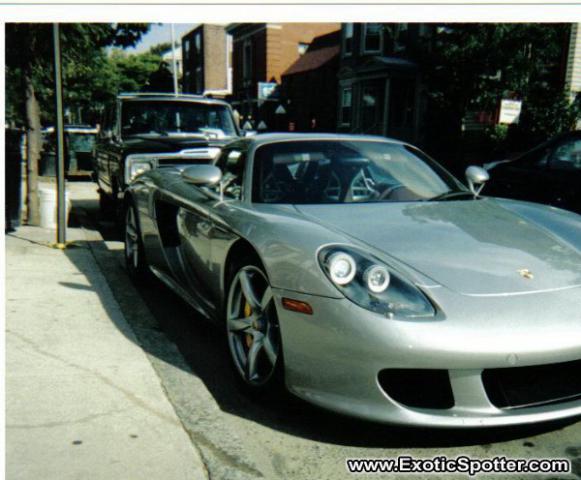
x=279 y=437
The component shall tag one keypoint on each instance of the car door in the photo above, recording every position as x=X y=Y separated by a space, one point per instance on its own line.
x=563 y=180
x=198 y=230
x=109 y=151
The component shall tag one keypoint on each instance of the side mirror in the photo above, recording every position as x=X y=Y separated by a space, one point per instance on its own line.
x=202 y=174
x=476 y=177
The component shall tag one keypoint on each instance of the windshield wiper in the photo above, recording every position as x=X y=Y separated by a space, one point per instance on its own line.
x=450 y=195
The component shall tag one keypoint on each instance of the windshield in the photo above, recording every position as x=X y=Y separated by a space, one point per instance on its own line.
x=331 y=171
x=172 y=117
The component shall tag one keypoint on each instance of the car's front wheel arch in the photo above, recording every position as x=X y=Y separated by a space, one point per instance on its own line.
x=240 y=251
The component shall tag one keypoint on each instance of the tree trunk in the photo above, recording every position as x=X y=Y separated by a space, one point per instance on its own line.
x=33 y=148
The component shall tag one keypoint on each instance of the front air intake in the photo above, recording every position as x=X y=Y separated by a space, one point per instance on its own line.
x=520 y=387
x=419 y=388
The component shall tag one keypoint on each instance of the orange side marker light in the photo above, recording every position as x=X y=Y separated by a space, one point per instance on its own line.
x=297 y=306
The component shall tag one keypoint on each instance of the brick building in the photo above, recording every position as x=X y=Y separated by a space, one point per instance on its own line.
x=261 y=53
x=207 y=58
x=379 y=86
x=310 y=85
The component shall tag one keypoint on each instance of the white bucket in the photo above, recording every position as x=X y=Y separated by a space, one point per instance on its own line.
x=48 y=207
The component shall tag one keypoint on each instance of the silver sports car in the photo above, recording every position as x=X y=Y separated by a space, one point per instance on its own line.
x=359 y=273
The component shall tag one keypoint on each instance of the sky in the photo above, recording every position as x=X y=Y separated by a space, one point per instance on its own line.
x=160 y=33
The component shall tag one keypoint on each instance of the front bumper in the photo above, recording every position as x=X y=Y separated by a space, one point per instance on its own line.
x=333 y=357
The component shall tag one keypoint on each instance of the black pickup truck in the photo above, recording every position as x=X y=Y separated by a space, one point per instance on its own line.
x=145 y=131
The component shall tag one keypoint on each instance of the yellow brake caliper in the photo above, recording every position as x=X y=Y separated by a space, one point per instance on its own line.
x=247 y=313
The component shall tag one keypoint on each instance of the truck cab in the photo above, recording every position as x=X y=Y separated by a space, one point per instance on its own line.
x=155 y=130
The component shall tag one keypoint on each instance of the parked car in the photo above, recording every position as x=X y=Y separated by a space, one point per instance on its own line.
x=146 y=130
x=367 y=279
x=549 y=173
x=79 y=150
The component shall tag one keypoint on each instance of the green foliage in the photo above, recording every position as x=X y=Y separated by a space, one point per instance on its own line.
x=498 y=133
x=160 y=48
x=549 y=112
x=89 y=77
x=132 y=72
x=471 y=67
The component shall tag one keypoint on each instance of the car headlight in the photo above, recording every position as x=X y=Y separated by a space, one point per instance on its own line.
x=372 y=285
x=342 y=268
x=136 y=165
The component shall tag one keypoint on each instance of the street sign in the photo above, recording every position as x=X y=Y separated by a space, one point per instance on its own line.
x=267 y=90
x=509 y=111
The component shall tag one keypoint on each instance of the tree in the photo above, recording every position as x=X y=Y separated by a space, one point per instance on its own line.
x=29 y=68
x=161 y=48
x=470 y=67
x=161 y=80
x=131 y=73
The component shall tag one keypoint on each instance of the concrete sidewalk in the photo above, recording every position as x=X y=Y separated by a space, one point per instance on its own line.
x=82 y=399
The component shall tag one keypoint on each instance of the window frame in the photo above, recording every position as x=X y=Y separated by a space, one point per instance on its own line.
x=247 y=61
x=198 y=43
x=347 y=27
x=364 y=50
x=343 y=106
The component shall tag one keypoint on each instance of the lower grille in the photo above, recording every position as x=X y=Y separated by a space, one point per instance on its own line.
x=520 y=387
x=418 y=387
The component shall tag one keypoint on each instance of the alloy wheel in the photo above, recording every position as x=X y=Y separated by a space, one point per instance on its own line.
x=252 y=326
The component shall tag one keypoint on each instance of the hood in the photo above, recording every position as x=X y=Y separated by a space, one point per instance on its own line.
x=471 y=247
x=171 y=144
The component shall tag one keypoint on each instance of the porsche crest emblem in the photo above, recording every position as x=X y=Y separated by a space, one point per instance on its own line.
x=526 y=273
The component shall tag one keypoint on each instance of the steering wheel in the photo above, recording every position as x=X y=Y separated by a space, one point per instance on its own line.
x=362 y=186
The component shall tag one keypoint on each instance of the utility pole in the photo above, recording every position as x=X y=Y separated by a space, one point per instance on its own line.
x=175 y=67
x=60 y=139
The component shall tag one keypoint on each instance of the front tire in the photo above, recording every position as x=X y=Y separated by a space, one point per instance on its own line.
x=134 y=252
x=253 y=331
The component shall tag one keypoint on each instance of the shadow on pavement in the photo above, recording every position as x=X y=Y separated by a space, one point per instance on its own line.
x=156 y=314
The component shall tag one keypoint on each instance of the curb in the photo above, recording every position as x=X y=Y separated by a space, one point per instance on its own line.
x=142 y=324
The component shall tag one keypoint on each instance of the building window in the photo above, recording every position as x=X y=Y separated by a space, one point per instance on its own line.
x=401 y=37
x=198 y=43
x=347 y=39
x=247 y=61
x=346 y=106
x=302 y=48
x=229 y=70
x=372 y=37
x=187 y=47
x=199 y=80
